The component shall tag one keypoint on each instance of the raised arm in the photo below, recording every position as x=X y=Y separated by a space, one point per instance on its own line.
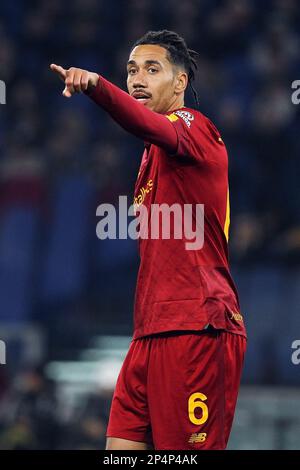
x=133 y=116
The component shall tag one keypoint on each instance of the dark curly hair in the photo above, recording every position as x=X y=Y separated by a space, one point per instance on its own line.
x=177 y=52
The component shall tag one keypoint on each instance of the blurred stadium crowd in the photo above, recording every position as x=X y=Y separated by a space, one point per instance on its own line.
x=59 y=159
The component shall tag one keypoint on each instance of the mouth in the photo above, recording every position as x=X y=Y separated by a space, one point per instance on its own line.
x=141 y=96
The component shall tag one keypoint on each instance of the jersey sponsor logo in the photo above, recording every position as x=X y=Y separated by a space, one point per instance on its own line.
x=197 y=437
x=186 y=116
x=140 y=198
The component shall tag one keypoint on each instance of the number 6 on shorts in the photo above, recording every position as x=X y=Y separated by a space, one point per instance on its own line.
x=196 y=401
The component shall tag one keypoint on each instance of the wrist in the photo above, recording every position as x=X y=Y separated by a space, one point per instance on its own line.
x=93 y=84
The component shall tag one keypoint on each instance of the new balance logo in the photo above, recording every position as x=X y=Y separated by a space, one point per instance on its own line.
x=197 y=437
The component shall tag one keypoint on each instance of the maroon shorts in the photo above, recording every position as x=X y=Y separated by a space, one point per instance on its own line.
x=178 y=390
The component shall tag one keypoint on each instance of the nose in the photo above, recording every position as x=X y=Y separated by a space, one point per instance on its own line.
x=139 y=80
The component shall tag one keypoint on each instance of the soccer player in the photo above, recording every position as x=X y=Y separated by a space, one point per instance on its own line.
x=178 y=385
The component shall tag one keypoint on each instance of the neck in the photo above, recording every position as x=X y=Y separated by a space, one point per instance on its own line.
x=176 y=104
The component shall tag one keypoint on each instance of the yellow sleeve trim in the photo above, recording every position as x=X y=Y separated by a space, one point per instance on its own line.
x=172 y=117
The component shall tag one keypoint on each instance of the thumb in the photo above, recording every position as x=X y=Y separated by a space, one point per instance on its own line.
x=67 y=92
x=59 y=70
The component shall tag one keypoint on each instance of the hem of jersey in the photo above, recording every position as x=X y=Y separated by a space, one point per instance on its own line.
x=162 y=327
x=141 y=332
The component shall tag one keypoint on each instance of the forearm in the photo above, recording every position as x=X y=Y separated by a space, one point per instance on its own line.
x=133 y=116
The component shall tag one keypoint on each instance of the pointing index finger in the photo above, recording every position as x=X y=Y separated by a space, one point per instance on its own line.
x=59 y=70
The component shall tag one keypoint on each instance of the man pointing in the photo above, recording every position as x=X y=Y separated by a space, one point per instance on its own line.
x=178 y=386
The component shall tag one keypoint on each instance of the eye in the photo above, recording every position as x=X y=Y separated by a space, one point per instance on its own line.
x=152 y=70
x=131 y=71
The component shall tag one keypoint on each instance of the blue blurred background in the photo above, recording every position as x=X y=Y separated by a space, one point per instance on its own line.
x=65 y=297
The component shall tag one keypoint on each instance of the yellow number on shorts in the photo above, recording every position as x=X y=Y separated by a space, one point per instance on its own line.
x=196 y=401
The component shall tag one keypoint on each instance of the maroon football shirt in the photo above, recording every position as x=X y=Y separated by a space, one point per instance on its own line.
x=184 y=162
x=180 y=289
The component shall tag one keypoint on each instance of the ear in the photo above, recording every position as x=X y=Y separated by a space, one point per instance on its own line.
x=181 y=82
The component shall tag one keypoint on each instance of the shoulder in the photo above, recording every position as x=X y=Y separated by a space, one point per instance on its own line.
x=186 y=115
x=190 y=117
x=198 y=137
x=193 y=120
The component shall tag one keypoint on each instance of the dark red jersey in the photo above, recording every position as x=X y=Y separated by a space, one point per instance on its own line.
x=177 y=288
x=184 y=163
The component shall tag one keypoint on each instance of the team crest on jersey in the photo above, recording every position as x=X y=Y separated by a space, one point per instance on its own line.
x=186 y=116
